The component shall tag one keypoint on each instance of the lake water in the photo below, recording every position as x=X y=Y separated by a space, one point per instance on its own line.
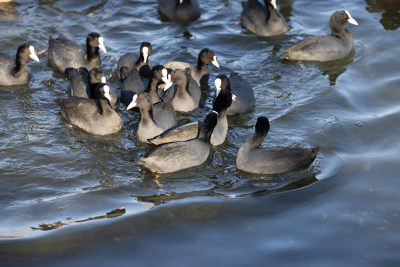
x=67 y=197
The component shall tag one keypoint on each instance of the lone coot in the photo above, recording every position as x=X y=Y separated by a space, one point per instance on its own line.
x=325 y=47
x=251 y=157
x=16 y=72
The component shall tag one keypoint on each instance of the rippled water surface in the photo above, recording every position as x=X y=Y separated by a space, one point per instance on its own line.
x=68 y=197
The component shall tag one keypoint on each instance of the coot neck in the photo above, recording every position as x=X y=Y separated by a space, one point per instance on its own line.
x=257 y=139
x=183 y=87
x=272 y=13
x=92 y=52
x=92 y=89
x=146 y=115
x=20 y=66
x=152 y=88
x=205 y=135
x=104 y=105
x=340 y=31
x=201 y=65
x=140 y=60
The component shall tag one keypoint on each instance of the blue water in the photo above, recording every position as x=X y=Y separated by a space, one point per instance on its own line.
x=70 y=198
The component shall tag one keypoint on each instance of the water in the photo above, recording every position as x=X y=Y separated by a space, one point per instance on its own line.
x=68 y=197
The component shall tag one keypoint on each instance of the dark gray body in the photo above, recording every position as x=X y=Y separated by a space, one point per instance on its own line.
x=325 y=47
x=251 y=157
x=63 y=53
x=188 y=11
x=182 y=155
x=81 y=85
x=262 y=20
x=273 y=160
x=130 y=60
x=244 y=93
x=84 y=113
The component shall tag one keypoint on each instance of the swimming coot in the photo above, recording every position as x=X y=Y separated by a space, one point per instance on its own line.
x=83 y=84
x=182 y=155
x=15 y=72
x=186 y=98
x=200 y=72
x=243 y=94
x=262 y=20
x=132 y=61
x=179 y=10
x=63 y=53
x=191 y=130
x=251 y=157
x=148 y=126
x=92 y=115
x=325 y=47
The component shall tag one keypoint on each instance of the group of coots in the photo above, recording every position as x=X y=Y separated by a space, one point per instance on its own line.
x=160 y=92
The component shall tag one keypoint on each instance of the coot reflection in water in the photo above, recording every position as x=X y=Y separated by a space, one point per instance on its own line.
x=342 y=210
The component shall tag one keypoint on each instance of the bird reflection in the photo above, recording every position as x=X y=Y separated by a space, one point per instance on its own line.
x=390 y=10
x=333 y=69
x=285 y=8
x=7 y=10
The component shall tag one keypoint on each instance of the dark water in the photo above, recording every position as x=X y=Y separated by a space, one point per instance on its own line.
x=67 y=197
